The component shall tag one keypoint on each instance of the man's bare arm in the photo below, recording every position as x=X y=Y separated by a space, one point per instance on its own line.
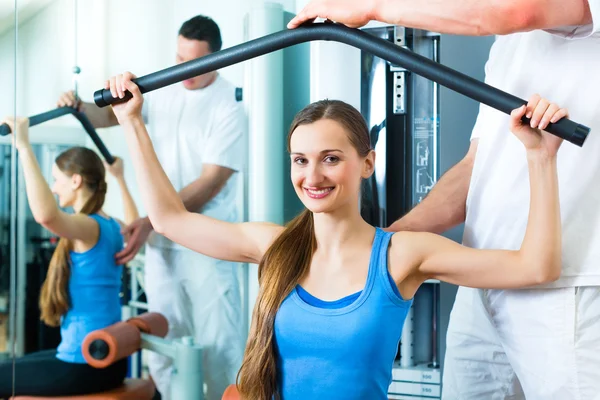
x=459 y=17
x=99 y=117
x=484 y=17
x=208 y=185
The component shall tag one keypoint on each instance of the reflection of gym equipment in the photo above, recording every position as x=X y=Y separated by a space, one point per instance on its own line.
x=39 y=335
x=423 y=66
x=5 y=253
x=106 y=346
x=81 y=117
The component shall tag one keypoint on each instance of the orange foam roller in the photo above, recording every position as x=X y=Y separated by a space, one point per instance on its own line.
x=152 y=323
x=231 y=393
x=106 y=346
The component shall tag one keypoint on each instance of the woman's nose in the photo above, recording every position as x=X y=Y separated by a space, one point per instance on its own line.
x=314 y=176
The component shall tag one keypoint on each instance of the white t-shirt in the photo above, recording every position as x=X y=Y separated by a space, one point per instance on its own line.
x=190 y=128
x=562 y=65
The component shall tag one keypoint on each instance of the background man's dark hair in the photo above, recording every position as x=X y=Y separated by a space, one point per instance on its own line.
x=202 y=28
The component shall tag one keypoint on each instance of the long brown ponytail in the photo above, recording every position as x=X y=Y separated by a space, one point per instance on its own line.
x=54 y=297
x=287 y=261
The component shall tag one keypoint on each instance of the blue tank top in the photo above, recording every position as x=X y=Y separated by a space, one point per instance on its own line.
x=94 y=288
x=342 y=352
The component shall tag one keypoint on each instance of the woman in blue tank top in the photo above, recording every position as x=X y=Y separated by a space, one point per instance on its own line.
x=82 y=286
x=331 y=285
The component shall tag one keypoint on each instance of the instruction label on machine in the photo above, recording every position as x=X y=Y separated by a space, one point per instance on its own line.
x=425 y=156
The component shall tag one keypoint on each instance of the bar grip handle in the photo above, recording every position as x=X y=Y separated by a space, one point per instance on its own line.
x=41 y=118
x=81 y=117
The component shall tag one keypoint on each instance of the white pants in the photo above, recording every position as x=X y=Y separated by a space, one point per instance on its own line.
x=537 y=344
x=200 y=297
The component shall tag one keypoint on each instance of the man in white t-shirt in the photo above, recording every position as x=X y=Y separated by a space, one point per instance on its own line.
x=198 y=130
x=541 y=343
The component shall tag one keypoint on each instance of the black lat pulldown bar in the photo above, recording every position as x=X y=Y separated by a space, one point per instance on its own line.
x=461 y=83
x=81 y=117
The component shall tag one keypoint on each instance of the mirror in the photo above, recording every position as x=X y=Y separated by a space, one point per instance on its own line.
x=97 y=39
x=8 y=198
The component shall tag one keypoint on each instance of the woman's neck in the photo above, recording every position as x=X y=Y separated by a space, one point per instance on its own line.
x=335 y=231
x=80 y=201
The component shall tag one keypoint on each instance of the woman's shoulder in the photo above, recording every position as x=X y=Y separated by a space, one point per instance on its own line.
x=103 y=217
x=109 y=226
x=405 y=243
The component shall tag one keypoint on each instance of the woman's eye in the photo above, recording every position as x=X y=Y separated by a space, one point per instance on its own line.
x=331 y=159
x=300 y=160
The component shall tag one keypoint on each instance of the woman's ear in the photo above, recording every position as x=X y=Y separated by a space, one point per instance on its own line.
x=369 y=165
x=76 y=181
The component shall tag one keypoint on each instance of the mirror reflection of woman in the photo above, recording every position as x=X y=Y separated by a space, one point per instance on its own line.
x=82 y=286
